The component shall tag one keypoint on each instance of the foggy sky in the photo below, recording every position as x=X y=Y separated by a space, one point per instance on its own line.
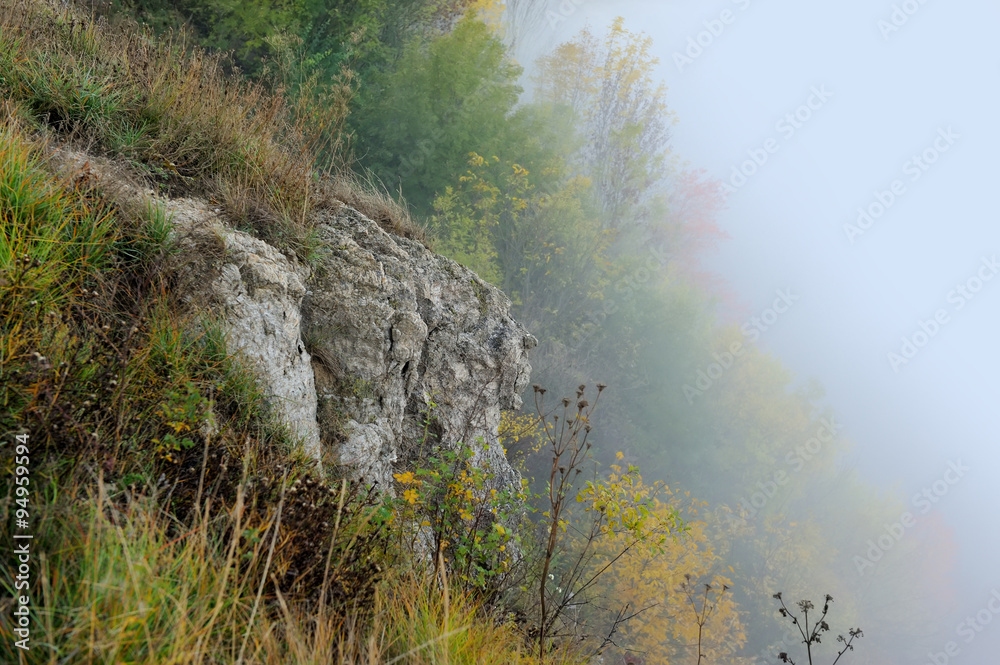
x=893 y=94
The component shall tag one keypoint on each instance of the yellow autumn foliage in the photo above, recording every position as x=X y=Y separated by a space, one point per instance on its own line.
x=650 y=584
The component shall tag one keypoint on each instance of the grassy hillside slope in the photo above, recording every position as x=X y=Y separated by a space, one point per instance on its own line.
x=172 y=520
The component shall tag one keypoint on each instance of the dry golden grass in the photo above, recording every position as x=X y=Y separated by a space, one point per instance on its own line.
x=122 y=582
x=372 y=200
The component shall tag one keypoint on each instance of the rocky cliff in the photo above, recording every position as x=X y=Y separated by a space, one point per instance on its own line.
x=375 y=349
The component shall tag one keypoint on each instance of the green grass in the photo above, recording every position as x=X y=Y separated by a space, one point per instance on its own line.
x=121 y=582
x=44 y=227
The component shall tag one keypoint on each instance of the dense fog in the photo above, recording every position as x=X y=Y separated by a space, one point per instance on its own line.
x=858 y=143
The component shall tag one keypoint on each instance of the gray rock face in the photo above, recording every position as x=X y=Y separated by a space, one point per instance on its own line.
x=409 y=349
x=256 y=292
x=395 y=329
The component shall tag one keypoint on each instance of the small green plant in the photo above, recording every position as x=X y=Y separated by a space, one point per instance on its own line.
x=361 y=389
x=183 y=411
x=812 y=634
x=150 y=238
x=450 y=499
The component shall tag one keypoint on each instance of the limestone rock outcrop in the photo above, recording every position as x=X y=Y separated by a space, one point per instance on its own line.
x=372 y=354
x=397 y=329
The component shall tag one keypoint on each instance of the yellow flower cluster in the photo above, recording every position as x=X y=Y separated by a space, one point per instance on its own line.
x=411 y=495
x=406 y=478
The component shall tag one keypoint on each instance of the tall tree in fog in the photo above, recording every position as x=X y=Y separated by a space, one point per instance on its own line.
x=607 y=86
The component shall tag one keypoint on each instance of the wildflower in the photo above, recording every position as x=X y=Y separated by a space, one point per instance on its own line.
x=411 y=496
x=405 y=478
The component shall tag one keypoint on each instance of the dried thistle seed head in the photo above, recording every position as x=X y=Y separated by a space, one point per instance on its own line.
x=565 y=401
x=601 y=386
x=582 y=404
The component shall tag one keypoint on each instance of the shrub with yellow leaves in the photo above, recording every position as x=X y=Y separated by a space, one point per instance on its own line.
x=449 y=502
x=581 y=541
x=521 y=436
x=673 y=593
